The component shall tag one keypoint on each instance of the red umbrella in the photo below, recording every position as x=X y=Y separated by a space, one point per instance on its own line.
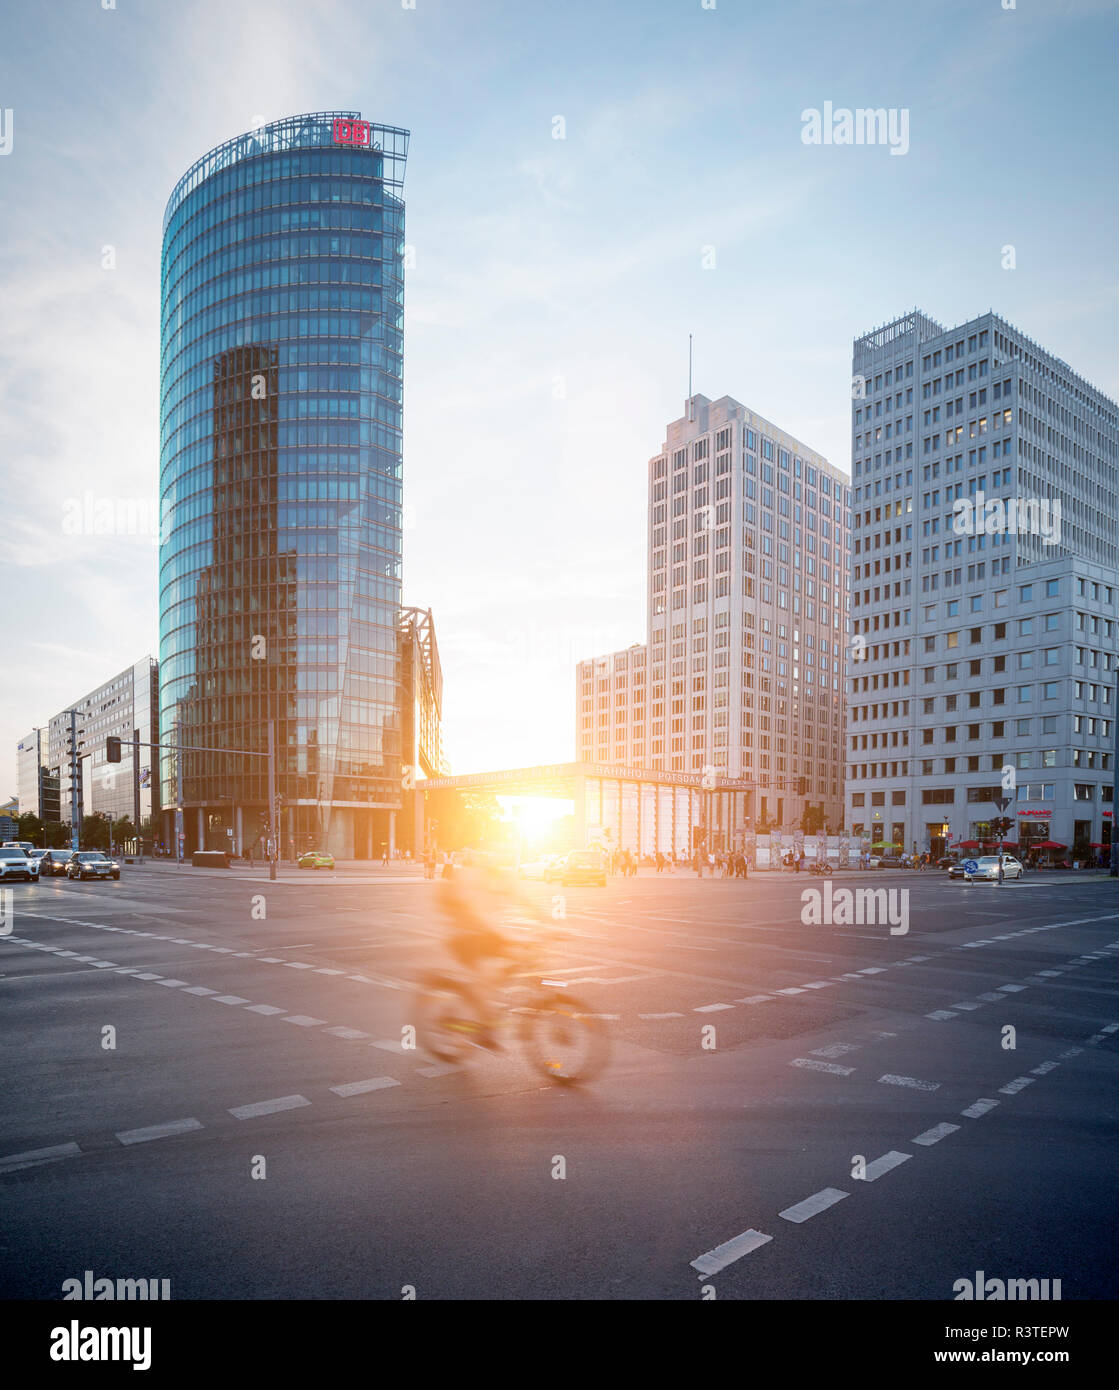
x=969 y=844
x=1048 y=844
x=1094 y=845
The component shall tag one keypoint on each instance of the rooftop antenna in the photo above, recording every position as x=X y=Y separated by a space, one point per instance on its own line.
x=691 y=405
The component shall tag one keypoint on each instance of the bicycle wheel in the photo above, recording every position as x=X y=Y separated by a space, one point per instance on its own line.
x=445 y=1016
x=563 y=1042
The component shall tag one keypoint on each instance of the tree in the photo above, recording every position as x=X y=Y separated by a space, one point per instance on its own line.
x=95 y=831
x=812 y=820
x=123 y=830
x=30 y=828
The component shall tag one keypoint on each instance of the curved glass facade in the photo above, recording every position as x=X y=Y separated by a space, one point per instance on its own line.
x=280 y=482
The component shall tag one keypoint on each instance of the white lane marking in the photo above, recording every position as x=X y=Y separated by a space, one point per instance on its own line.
x=272 y=960
x=728 y=1252
x=993 y=998
x=357 y=1088
x=268 y=1009
x=229 y=999
x=172 y=984
x=935 y=1135
x=345 y=1032
x=11 y=1163
x=966 y=1005
x=916 y=960
x=941 y=1014
x=1045 y=1068
x=442 y=1069
x=979 y=1107
x=911 y=1081
x=267 y=1107
x=1110 y=1028
x=1012 y=989
x=875 y=1170
x=792 y=990
x=810 y=1064
x=835 y=1049
x=1049 y=973
x=812 y=1206
x=711 y=1008
x=388 y=1045
x=872 y=970
x=141 y=1136
x=755 y=999
x=819 y=984
x=127 y=970
x=1072 y=1052
x=324 y=970
x=303 y=1020
x=200 y=990
x=660 y=1015
x=1018 y=1084
x=149 y=977
x=298 y=965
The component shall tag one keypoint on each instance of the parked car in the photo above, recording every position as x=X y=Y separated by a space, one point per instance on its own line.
x=987 y=867
x=54 y=862
x=91 y=863
x=585 y=866
x=14 y=863
x=316 y=859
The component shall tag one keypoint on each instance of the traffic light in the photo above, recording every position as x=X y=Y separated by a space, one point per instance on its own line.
x=112 y=749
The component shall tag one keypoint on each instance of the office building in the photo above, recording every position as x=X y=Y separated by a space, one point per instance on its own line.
x=125 y=703
x=985 y=589
x=280 y=483
x=742 y=673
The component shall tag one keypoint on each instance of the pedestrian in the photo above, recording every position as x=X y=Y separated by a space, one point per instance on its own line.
x=697 y=864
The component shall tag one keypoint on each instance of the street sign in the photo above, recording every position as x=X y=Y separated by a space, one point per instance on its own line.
x=969 y=866
x=1002 y=802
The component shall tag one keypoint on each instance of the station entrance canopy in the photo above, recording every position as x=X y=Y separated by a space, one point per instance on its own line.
x=629 y=807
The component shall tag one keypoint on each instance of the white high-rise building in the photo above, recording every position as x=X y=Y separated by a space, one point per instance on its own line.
x=985 y=589
x=743 y=671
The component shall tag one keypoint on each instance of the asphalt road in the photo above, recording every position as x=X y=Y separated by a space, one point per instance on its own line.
x=761 y=1065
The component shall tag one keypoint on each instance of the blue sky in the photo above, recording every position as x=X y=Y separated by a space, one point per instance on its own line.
x=555 y=282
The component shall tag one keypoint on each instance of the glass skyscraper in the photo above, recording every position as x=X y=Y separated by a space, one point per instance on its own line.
x=280 y=483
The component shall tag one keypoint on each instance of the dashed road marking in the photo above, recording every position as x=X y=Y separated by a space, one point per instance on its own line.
x=229 y=999
x=755 y=999
x=660 y=1015
x=935 y=1135
x=880 y=1166
x=979 y=1107
x=12 y=1163
x=142 y=1136
x=348 y=1033
x=1018 y=1084
x=711 y=1008
x=911 y=1081
x=267 y=1009
x=729 y=1252
x=810 y=1064
x=267 y=1107
x=357 y=1088
x=814 y=1205
x=941 y=1014
x=304 y=1020
x=200 y=990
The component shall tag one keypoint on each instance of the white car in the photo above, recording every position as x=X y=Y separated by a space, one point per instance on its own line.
x=987 y=866
x=14 y=863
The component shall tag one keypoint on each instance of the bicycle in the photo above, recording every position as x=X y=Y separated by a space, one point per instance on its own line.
x=455 y=1013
